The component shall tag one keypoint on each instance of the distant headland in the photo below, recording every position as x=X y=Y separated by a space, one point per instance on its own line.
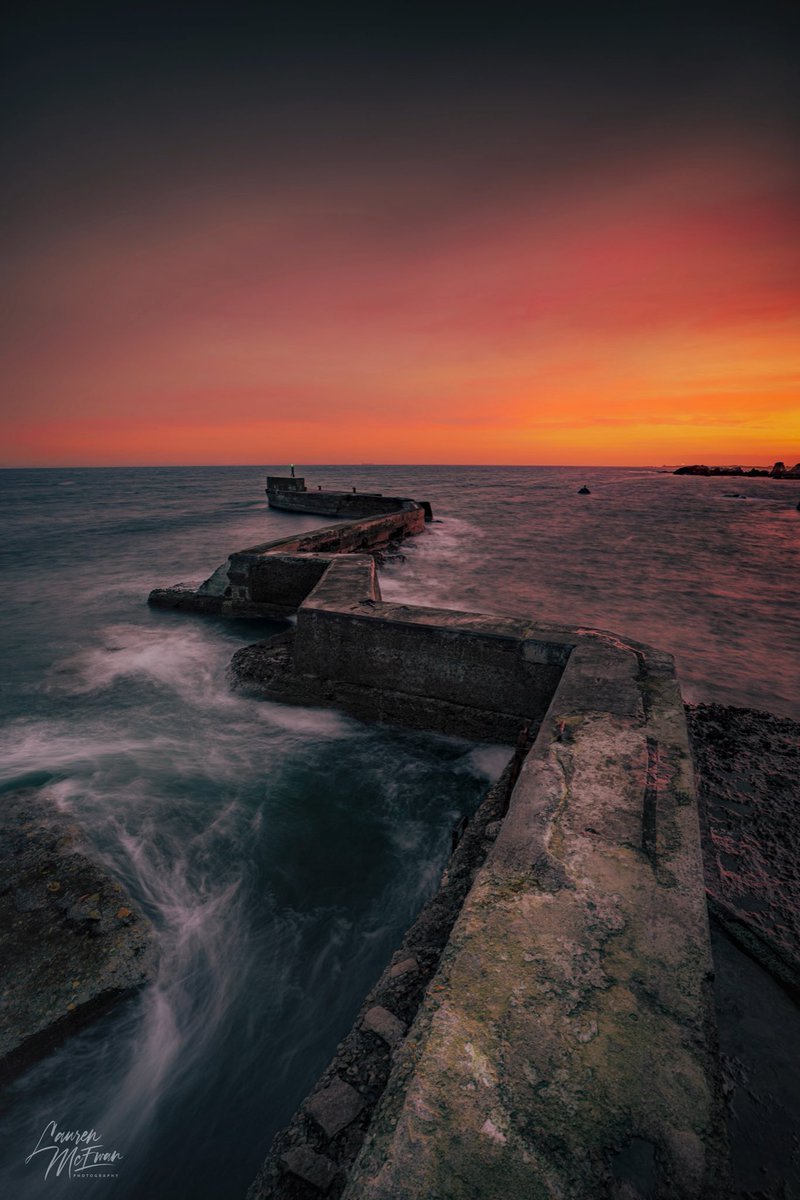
x=778 y=471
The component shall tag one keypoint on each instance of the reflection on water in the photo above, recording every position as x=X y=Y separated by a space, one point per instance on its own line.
x=280 y=852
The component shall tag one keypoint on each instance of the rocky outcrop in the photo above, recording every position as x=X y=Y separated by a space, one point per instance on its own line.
x=71 y=942
x=748 y=777
x=781 y=471
x=778 y=471
x=747 y=765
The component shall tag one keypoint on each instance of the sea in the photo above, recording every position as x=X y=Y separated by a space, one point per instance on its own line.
x=281 y=852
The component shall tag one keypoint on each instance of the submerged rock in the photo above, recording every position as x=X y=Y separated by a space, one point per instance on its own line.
x=71 y=942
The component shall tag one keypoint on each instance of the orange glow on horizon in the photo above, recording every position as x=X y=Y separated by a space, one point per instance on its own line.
x=652 y=319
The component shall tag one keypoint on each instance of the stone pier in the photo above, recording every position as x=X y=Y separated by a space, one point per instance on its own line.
x=561 y=1039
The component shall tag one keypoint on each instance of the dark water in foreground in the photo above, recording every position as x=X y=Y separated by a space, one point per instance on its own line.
x=280 y=852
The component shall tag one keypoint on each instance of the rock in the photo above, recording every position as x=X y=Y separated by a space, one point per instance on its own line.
x=748 y=771
x=335 y=1106
x=457 y=832
x=778 y=470
x=584 y=491
x=387 y=1026
x=702 y=469
x=316 y=1169
x=403 y=967
x=67 y=954
x=184 y=598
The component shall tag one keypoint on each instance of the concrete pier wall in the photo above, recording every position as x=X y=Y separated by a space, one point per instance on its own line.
x=369 y=533
x=278 y=583
x=564 y=1047
x=274 y=578
x=291 y=495
x=334 y=504
x=564 y=1043
x=477 y=665
x=286 y=483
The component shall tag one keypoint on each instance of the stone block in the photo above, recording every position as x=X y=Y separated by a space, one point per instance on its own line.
x=335 y=1107
x=313 y=1168
x=403 y=967
x=387 y=1026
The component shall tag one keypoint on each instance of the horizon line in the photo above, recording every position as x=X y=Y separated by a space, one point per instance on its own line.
x=371 y=465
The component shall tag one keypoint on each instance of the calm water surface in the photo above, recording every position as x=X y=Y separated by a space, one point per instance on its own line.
x=280 y=852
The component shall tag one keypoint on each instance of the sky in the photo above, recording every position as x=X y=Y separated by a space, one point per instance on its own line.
x=441 y=233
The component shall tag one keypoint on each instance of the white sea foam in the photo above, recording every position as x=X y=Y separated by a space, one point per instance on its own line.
x=490 y=761
x=194 y=898
x=436 y=566
x=28 y=747
x=179 y=658
x=317 y=722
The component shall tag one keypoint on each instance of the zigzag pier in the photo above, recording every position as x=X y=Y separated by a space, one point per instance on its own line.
x=546 y=1028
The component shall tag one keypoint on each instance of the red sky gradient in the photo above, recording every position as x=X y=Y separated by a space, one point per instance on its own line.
x=644 y=309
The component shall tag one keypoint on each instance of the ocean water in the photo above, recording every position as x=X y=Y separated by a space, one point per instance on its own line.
x=280 y=852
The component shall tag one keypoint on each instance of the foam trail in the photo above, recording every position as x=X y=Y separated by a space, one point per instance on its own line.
x=202 y=932
x=436 y=566
x=177 y=659
x=199 y=935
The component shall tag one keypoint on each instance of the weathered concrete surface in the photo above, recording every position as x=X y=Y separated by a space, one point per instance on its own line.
x=565 y=1048
x=336 y=504
x=71 y=943
x=291 y=495
x=286 y=483
x=274 y=578
x=459 y=673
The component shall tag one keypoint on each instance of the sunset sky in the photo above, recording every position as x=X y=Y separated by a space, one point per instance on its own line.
x=443 y=233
